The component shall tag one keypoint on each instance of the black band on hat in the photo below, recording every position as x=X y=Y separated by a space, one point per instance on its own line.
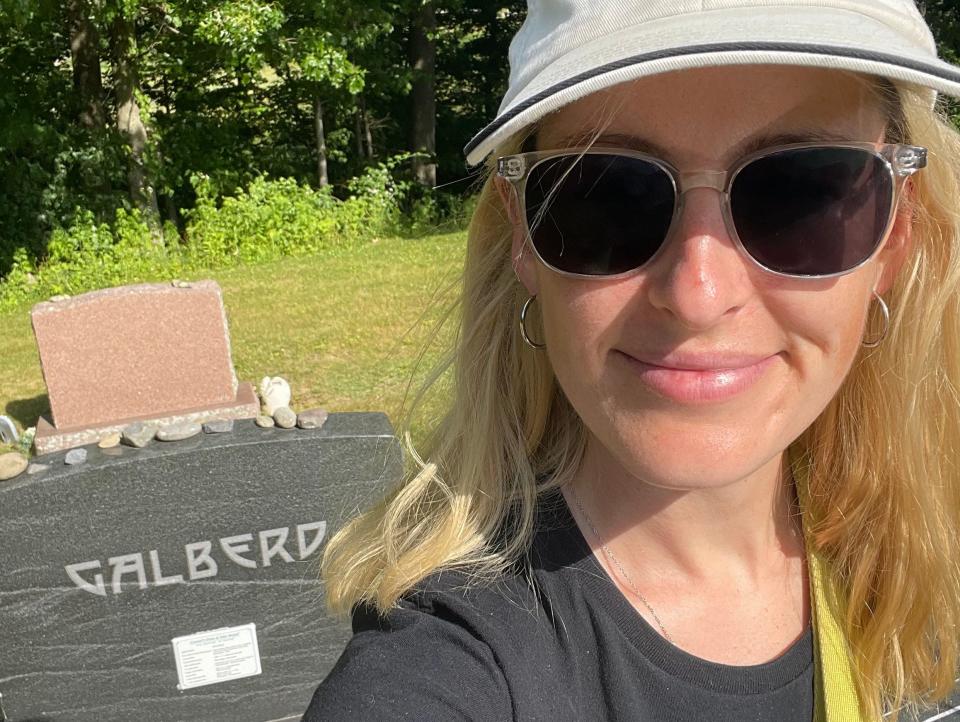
x=945 y=72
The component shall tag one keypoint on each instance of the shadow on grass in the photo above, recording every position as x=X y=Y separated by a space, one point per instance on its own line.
x=27 y=411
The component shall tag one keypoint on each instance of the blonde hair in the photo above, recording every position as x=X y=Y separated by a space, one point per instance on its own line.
x=884 y=489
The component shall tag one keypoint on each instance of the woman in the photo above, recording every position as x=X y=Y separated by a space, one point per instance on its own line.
x=710 y=473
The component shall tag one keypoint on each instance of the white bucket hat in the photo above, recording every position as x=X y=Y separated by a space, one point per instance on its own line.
x=568 y=49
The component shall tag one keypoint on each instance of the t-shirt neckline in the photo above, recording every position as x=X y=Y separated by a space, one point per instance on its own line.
x=557 y=519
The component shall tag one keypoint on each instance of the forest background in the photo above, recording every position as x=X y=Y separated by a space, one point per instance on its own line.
x=142 y=137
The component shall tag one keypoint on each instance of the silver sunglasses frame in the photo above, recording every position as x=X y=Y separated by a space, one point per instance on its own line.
x=901 y=161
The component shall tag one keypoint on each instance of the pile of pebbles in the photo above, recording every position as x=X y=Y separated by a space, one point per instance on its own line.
x=275 y=407
x=140 y=434
x=286 y=418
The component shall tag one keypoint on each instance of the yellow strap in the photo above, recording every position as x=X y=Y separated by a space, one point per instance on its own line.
x=835 y=696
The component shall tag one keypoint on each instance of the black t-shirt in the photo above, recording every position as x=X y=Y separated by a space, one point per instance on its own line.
x=560 y=644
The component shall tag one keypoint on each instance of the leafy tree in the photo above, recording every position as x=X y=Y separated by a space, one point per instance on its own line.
x=315 y=53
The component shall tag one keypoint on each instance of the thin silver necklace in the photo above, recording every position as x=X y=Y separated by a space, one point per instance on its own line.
x=623 y=572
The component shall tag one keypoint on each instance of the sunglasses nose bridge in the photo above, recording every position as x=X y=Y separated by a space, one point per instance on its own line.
x=713 y=179
x=716 y=179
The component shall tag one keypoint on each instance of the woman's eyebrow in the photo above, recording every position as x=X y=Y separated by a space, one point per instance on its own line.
x=616 y=140
x=798 y=136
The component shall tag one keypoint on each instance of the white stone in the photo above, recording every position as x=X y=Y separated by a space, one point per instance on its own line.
x=274 y=394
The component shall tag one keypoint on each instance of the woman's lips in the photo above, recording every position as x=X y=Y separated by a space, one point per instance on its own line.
x=700 y=379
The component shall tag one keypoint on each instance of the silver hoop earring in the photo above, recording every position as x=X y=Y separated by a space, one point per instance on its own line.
x=523 y=326
x=885 y=311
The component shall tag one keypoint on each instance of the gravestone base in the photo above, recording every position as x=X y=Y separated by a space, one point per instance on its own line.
x=50 y=439
x=112 y=565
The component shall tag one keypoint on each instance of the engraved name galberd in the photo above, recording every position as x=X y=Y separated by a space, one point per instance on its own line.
x=201 y=559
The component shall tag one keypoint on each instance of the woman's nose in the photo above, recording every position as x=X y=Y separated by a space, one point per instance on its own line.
x=700 y=277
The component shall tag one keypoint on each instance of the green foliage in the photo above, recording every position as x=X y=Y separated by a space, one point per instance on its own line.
x=88 y=255
x=378 y=196
x=319 y=60
x=427 y=213
x=240 y=27
x=269 y=219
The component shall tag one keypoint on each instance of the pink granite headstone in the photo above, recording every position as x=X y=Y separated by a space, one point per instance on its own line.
x=153 y=352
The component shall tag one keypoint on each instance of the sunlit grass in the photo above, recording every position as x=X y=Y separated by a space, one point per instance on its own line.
x=345 y=328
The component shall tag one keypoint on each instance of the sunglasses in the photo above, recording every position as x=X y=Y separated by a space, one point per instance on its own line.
x=808 y=210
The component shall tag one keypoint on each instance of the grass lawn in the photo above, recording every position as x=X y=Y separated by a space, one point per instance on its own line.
x=344 y=327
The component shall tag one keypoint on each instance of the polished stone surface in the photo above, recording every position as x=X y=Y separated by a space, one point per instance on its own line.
x=106 y=562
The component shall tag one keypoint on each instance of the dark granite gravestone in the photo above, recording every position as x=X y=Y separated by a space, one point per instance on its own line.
x=111 y=565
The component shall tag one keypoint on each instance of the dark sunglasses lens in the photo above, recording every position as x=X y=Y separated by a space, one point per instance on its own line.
x=812 y=211
x=598 y=215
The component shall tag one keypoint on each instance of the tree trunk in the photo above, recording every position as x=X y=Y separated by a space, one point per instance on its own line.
x=367 y=132
x=322 y=178
x=358 y=130
x=85 y=57
x=129 y=122
x=363 y=131
x=423 y=55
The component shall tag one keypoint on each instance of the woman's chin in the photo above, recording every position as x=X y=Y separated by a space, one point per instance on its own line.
x=682 y=467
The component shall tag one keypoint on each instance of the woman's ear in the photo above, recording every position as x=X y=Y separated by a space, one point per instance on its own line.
x=899 y=243
x=524 y=261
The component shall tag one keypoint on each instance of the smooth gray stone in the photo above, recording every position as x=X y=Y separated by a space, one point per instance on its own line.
x=265 y=422
x=218 y=426
x=312 y=418
x=285 y=418
x=71 y=654
x=178 y=432
x=37 y=468
x=138 y=435
x=75 y=457
x=12 y=464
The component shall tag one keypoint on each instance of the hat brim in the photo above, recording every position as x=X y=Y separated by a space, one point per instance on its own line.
x=610 y=63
